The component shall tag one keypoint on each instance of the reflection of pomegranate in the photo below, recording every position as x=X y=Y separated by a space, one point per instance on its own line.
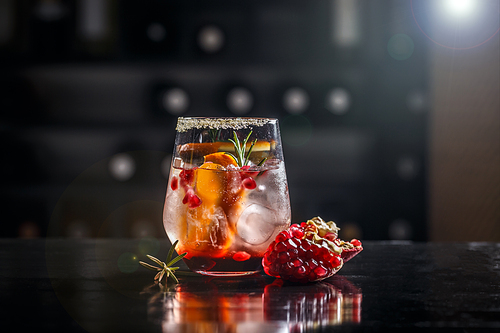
x=197 y=302
x=306 y=306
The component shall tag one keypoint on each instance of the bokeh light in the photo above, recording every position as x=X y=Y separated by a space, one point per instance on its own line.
x=338 y=101
x=407 y=167
x=175 y=101
x=400 y=229
x=29 y=229
x=211 y=39
x=156 y=32
x=351 y=230
x=457 y=24
x=239 y=101
x=128 y=262
x=295 y=100
x=417 y=101
x=122 y=167
x=400 y=47
x=78 y=229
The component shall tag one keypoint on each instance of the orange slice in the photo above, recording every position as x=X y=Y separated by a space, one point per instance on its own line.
x=221 y=158
x=259 y=146
x=210 y=182
x=191 y=151
x=212 y=233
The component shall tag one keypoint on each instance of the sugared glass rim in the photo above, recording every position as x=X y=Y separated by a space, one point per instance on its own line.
x=187 y=123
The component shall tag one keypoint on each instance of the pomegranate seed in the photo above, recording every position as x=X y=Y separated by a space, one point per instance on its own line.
x=280 y=247
x=194 y=202
x=265 y=261
x=283 y=257
x=290 y=244
x=186 y=177
x=270 y=247
x=249 y=183
x=331 y=236
x=282 y=236
x=336 y=261
x=326 y=255
x=312 y=263
x=320 y=271
x=288 y=269
x=300 y=271
x=185 y=200
x=174 y=184
x=191 y=199
x=241 y=256
x=297 y=263
x=246 y=173
x=297 y=233
x=355 y=242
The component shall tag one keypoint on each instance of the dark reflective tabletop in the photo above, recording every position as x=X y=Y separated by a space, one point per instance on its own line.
x=98 y=286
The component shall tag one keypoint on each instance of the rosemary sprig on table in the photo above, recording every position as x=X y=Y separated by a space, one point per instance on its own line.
x=165 y=270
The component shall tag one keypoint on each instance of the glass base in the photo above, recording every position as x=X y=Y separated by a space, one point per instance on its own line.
x=228 y=274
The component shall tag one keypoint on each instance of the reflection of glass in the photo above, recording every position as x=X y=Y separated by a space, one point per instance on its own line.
x=227 y=195
x=255 y=305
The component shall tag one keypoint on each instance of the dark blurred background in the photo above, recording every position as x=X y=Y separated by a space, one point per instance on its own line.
x=389 y=110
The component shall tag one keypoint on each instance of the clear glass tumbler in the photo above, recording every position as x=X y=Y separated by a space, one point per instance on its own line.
x=227 y=195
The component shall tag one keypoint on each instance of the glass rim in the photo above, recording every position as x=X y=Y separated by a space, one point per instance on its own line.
x=187 y=123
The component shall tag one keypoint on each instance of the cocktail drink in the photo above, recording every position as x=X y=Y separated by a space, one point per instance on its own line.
x=227 y=195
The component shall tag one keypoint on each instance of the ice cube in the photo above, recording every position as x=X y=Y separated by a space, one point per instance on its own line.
x=272 y=192
x=256 y=224
x=208 y=227
x=275 y=192
x=173 y=208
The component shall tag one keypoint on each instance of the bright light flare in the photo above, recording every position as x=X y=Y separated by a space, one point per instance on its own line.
x=460 y=8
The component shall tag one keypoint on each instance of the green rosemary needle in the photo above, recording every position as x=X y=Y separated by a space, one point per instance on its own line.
x=240 y=148
x=165 y=270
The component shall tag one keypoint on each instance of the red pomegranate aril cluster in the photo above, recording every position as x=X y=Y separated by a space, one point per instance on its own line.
x=309 y=252
x=191 y=199
x=295 y=258
x=247 y=177
x=249 y=183
x=185 y=180
x=187 y=177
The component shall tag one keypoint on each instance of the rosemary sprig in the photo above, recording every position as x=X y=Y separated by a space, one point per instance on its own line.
x=214 y=134
x=241 y=157
x=165 y=270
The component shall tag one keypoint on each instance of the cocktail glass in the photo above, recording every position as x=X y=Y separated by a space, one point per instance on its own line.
x=227 y=195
